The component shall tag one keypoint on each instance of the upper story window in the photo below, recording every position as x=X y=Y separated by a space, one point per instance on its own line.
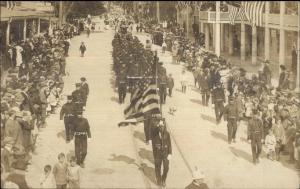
x=274 y=7
x=291 y=7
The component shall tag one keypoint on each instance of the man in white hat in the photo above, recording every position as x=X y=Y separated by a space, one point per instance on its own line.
x=198 y=181
x=162 y=151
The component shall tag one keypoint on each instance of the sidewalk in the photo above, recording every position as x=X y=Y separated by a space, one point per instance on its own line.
x=202 y=143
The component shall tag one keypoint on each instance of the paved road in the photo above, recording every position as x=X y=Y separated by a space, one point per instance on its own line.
x=119 y=158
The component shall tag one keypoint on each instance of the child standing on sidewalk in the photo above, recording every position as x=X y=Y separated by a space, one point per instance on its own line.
x=73 y=174
x=47 y=180
x=60 y=170
x=270 y=143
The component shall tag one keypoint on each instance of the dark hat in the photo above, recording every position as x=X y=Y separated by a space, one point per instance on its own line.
x=83 y=79
x=77 y=84
x=231 y=98
x=282 y=67
x=160 y=63
x=69 y=97
x=255 y=111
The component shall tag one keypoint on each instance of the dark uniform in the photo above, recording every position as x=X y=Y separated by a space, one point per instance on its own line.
x=205 y=85
x=218 y=98
x=161 y=144
x=162 y=80
x=85 y=90
x=122 y=84
x=81 y=133
x=255 y=134
x=78 y=97
x=67 y=113
x=231 y=115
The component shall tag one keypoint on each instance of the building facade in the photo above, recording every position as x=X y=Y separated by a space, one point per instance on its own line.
x=274 y=41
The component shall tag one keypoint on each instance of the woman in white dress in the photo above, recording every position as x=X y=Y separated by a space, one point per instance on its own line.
x=183 y=80
x=19 y=51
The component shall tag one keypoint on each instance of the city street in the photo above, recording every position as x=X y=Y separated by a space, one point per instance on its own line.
x=119 y=158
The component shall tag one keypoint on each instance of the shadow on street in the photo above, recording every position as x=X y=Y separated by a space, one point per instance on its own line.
x=218 y=135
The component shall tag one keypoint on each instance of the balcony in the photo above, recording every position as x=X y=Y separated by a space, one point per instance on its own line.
x=27 y=9
x=290 y=21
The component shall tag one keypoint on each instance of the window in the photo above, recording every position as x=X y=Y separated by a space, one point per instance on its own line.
x=274 y=7
x=291 y=7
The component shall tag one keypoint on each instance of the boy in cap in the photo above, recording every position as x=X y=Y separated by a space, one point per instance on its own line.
x=82 y=49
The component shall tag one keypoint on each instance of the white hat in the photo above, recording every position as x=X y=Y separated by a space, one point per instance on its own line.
x=197 y=174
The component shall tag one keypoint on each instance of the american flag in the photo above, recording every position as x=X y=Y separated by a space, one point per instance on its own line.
x=144 y=99
x=233 y=11
x=254 y=11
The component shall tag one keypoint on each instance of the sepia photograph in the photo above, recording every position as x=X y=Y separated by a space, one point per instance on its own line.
x=150 y=94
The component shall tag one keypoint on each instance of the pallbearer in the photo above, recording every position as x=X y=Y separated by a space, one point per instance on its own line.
x=67 y=113
x=85 y=90
x=81 y=134
x=78 y=97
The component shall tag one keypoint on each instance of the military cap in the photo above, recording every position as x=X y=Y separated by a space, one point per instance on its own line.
x=282 y=67
x=77 y=84
x=83 y=79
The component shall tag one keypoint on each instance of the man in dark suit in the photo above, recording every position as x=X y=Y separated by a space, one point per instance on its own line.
x=67 y=113
x=78 y=97
x=85 y=90
x=81 y=134
x=162 y=151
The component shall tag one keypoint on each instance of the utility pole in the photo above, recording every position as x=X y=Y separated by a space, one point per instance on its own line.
x=218 y=29
x=60 y=13
x=298 y=54
x=157 y=11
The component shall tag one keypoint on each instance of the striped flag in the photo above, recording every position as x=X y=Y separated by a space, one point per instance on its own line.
x=144 y=98
x=233 y=12
x=254 y=11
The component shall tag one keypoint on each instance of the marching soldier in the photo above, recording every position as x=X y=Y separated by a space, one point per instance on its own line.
x=205 y=86
x=162 y=80
x=162 y=151
x=122 y=85
x=255 y=135
x=218 y=98
x=67 y=113
x=81 y=134
x=78 y=97
x=85 y=90
x=231 y=115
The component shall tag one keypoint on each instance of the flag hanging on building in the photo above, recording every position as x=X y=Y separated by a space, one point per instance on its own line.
x=254 y=11
x=233 y=12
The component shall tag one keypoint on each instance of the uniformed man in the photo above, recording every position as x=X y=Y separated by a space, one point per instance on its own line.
x=205 y=86
x=81 y=133
x=231 y=115
x=85 y=90
x=255 y=135
x=78 y=97
x=162 y=80
x=67 y=113
x=162 y=151
x=122 y=84
x=218 y=98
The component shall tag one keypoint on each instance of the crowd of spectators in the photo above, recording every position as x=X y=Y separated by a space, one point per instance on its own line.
x=278 y=105
x=30 y=92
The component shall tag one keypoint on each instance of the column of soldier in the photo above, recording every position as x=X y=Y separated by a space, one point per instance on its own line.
x=128 y=51
x=76 y=126
x=32 y=89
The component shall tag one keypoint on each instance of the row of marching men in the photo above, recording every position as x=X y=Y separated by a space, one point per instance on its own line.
x=76 y=126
